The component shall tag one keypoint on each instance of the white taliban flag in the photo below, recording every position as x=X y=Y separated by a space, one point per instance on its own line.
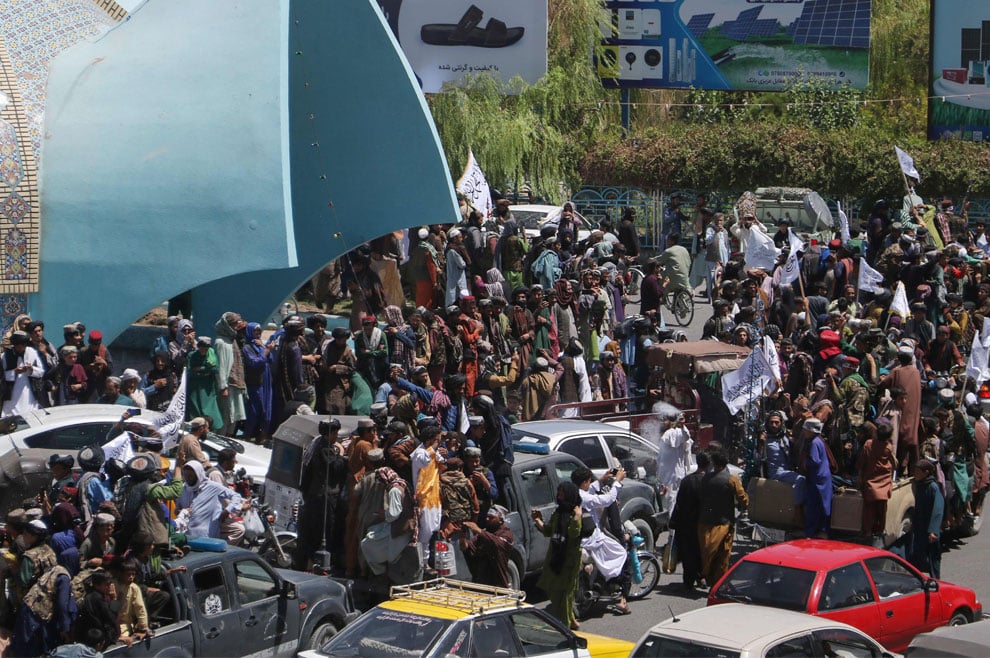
x=744 y=386
x=169 y=424
x=761 y=252
x=843 y=224
x=907 y=164
x=474 y=186
x=869 y=279
x=773 y=359
x=792 y=268
x=119 y=448
x=977 y=367
x=899 y=304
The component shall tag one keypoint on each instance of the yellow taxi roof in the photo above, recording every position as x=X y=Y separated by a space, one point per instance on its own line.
x=452 y=599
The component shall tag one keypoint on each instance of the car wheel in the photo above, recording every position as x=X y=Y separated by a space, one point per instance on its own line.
x=646 y=532
x=958 y=619
x=321 y=635
x=515 y=580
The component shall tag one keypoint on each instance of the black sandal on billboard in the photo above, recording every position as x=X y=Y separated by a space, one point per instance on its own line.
x=467 y=33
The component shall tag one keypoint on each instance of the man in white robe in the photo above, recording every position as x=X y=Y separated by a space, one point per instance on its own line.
x=21 y=363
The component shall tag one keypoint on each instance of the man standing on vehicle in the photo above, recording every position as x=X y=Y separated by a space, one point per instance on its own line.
x=719 y=494
x=324 y=473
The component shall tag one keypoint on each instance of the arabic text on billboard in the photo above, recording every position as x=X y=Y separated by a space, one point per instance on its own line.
x=762 y=45
x=445 y=40
x=960 y=107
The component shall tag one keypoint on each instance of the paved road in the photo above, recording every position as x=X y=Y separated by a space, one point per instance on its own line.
x=962 y=563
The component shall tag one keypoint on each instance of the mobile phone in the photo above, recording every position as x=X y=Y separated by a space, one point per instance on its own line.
x=135 y=411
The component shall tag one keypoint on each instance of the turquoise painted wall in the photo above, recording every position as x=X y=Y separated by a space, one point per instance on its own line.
x=228 y=148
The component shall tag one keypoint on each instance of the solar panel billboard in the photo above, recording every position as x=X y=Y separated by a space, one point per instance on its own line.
x=764 y=45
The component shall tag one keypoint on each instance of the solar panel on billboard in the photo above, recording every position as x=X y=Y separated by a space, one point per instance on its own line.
x=834 y=23
x=765 y=28
x=699 y=23
x=741 y=28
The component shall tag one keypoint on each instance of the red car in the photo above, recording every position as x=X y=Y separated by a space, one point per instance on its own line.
x=869 y=588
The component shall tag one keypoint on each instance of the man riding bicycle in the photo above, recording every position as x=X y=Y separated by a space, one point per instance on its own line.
x=676 y=264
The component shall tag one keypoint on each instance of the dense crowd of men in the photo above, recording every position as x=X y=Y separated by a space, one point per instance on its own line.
x=481 y=325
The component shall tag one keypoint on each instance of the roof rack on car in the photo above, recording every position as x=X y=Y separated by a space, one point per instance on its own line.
x=468 y=597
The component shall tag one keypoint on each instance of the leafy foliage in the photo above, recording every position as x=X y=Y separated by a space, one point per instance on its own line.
x=565 y=129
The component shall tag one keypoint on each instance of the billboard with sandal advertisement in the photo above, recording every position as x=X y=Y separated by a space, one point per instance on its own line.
x=445 y=40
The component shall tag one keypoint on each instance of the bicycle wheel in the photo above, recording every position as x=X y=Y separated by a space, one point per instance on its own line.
x=683 y=307
x=634 y=287
x=649 y=566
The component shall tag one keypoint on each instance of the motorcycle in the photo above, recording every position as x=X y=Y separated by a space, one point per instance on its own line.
x=594 y=590
x=274 y=546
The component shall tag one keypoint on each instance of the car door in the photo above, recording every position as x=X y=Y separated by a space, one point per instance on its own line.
x=219 y=627
x=905 y=608
x=847 y=596
x=539 y=636
x=263 y=623
x=589 y=449
x=492 y=635
x=538 y=491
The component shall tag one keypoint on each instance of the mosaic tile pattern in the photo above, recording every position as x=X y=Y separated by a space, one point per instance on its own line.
x=32 y=32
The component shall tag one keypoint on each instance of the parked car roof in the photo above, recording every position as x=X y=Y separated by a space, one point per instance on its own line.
x=814 y=554
x=968 y=640
x=554 y=428
x=739 y=627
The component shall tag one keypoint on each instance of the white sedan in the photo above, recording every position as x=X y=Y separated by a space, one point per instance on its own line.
x=736 y=630
x=532 y=217
x=68 y=429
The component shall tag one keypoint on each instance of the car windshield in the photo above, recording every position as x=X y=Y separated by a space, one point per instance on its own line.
x=528 y=218
x=658 y=646
x=767 y=584
x=381 y=631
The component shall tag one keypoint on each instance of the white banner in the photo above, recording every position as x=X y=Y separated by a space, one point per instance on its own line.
x=119 y=448
x=843 y=224
x=899 y=304
x=744 y=386
x=792 y=268
x=907 y=164
x=773 y=360
x=169 y=424
x=869 y=279
x=977 y=367
x=474 y=186
x=761 y=252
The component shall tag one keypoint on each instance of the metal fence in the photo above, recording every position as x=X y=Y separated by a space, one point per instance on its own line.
x=597 y=203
